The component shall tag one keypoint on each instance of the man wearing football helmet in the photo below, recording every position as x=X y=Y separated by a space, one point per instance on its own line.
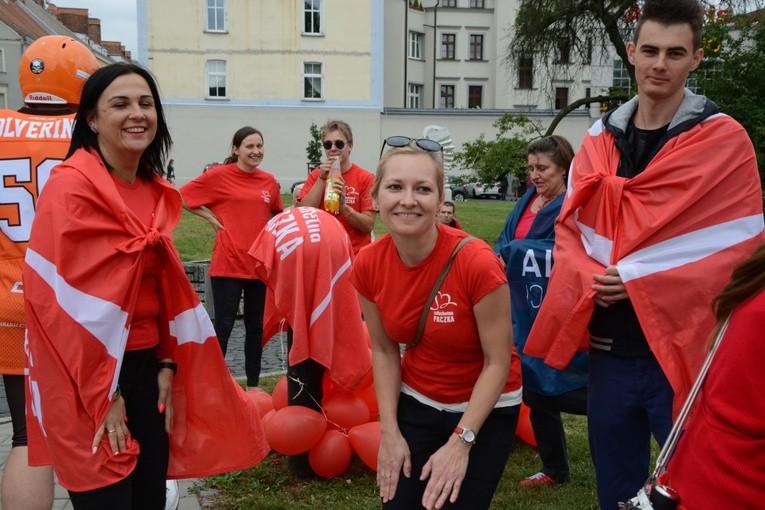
x=52 y=73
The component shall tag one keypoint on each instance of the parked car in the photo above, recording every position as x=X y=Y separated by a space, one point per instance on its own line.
x=479 y=190
x=460 y=192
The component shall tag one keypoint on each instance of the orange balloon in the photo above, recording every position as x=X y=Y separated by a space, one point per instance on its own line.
x=295 y=429
x=346 y=411
x=331 y=456
x=524 y=430
x=365 y=440
x=262 y=400
x=280 y=393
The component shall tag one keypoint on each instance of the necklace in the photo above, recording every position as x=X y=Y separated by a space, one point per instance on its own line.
x=542 y=201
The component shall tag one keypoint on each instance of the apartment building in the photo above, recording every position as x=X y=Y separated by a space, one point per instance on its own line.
x=386 y=66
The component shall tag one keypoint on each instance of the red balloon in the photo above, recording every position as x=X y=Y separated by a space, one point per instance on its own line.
x=331 y=456
x=365 y=440
x=280 y=393
x=346 y=411
x=262 y=400
x=266 y=418
x=524 y=430
x=295 y=429
x=368 y=395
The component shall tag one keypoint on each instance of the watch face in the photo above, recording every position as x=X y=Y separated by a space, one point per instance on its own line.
x=468 y=436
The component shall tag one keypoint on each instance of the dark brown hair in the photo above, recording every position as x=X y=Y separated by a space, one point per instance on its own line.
x=674 y=12
x=239 y=137
x=748 y=279
x=556 y=147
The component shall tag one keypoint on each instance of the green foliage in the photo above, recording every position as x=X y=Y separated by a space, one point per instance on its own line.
x=313 y=150
x=491 y=159
x=732 y=73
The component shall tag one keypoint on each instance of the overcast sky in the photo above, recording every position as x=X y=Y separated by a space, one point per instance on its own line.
x=118 y=19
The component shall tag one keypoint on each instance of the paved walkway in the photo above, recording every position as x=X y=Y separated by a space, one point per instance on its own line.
x=274 y=361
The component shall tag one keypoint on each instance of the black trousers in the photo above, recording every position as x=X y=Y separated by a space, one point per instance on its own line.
x=304 y=388
x=227 y=292
x=144 y=488
x=16 y=396
x=427 y=429
x=548 y=428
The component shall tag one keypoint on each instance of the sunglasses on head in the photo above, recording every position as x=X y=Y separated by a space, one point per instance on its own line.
x=402 y=141
x=338 y=143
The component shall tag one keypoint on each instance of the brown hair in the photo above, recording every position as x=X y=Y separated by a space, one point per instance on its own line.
x=674 y=12
x=239 y=137
x=556 y=147
x=337 y=125
x=409 y=150
x=748 y=279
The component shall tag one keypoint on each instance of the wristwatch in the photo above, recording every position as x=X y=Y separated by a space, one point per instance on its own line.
x=466 y=435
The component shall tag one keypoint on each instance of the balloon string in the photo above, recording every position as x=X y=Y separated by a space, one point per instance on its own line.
x=302 y=385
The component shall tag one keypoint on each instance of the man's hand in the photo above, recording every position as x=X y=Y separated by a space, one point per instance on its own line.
x=610 y=287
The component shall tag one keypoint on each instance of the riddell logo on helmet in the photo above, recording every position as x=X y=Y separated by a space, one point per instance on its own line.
x=39 y=97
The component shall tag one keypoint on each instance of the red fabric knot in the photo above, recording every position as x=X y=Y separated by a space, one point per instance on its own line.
x=150 y=239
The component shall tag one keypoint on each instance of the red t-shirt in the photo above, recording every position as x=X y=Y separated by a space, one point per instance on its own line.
x=447 y=361
x=141 y=198
x=358 y=184
x=243 y=203
x=525 y=221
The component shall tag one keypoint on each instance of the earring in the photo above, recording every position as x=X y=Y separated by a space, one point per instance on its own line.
x=94 y=128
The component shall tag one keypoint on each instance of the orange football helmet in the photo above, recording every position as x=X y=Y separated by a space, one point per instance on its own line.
x=54 y=69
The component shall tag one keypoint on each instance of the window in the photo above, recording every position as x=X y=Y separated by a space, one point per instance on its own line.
x=525 y=73
x=216 y=15
x=561 y=98
x=447 y=96
x=563 y=53
x=448 y=42
x=312 y=77
x=588 y=52
x=216 y=78
x=476 y=47
x=587 y=95
x=3 y=98
x=621 y=75
x=2 y=60
x=415 y=44
x=312 y=16
x=475 y=96
x=415 y=96
x=476 y=4
x=449 y=3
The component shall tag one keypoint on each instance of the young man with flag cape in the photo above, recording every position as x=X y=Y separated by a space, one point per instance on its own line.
x=664 y=199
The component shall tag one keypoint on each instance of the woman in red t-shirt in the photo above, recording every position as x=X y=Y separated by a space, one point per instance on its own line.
x=238 y=199
x=449 y=408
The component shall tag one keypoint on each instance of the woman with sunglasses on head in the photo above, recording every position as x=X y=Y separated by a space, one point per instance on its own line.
x=448 y=407
x=529 y=232
x=237 y=198
x=356 y=213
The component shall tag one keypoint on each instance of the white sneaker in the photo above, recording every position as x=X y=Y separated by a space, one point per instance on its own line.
x=172 y=497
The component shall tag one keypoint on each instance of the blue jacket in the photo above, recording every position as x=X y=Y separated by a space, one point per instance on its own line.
x=528 y=263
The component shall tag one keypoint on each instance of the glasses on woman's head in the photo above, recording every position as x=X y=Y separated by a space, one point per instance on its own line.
x=402 y=141
x=338 y=143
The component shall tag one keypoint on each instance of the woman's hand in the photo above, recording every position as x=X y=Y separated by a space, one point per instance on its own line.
x=165 y=402
x=114 y=427
x=392 y=459
x=609 y=288
x=446 y=469
x=217 y=225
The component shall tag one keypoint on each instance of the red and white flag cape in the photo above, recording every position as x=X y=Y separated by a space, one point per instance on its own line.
x=304 y=256
x=675 y=232
x=81 y=278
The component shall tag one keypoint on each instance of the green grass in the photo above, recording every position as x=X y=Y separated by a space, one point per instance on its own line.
x=270 y=485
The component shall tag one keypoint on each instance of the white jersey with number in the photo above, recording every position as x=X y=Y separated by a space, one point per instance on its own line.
x=30 y=146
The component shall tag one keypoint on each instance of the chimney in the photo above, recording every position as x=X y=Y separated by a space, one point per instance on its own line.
x=94 y=30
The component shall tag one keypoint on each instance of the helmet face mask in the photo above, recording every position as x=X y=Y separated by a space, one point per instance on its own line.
x=54 y=69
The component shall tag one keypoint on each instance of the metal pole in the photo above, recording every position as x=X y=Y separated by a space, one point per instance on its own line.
x=406 y=49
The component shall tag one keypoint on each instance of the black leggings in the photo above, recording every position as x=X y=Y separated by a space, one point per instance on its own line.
x=15 y=393
x=227 y=292
x=144 y=488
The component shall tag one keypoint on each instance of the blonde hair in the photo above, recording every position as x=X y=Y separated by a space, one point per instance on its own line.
x=409 y=150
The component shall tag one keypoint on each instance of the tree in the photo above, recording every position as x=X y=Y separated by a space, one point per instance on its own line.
x=732 y=73
x=313 y=150
x=491 y=159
